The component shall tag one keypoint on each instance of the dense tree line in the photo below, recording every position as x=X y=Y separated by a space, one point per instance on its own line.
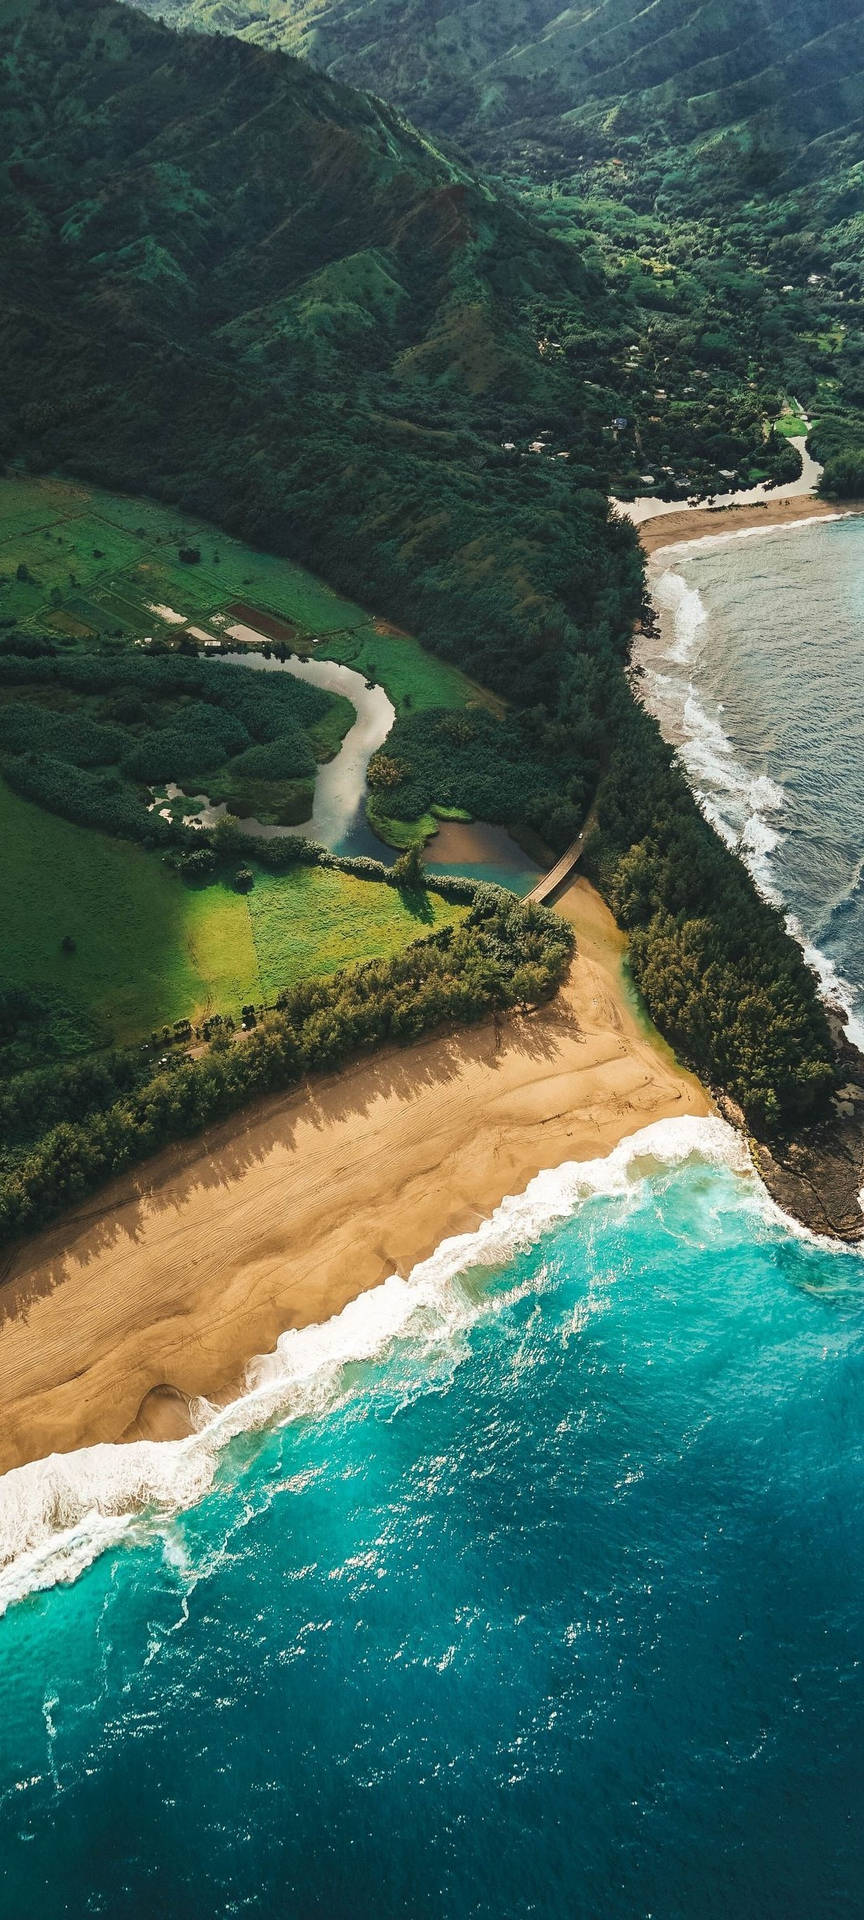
x=719 y=973
x=505 y=954
x=35 y=1101
x=132 y=721
x=843 y=475
x=492 y=768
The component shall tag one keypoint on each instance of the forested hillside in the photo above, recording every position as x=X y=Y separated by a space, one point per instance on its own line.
x=237 y=285
x=706 y=157
x=254 y=291
x=751 y=85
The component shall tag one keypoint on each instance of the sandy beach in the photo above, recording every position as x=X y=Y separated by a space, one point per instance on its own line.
x=172 y=1279
x=699 y=523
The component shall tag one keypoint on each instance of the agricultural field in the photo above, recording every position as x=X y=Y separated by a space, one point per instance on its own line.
x=150 y=949
x=85 y=565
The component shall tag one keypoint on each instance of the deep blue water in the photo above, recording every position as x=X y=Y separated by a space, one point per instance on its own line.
x=550 y=1607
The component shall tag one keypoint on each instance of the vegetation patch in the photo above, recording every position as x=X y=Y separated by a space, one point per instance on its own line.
x=316 y=920
x=457 y=766
x=147 y=950
x=503 y=954
x=125 y=727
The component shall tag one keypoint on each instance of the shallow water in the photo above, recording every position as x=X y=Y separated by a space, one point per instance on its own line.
x=482 y=852
x=758 y=678
x=546 y=1603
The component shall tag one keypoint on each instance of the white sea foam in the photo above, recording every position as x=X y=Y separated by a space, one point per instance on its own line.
x=57 y=1515
x=743 y=807
x=679 y=547
x=835 y=991
x=688 y=613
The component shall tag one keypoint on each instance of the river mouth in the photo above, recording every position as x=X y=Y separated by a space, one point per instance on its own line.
x=338 y=820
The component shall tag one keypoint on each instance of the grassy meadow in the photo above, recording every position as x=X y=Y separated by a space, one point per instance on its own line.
x=314 y=921
x=150 y=950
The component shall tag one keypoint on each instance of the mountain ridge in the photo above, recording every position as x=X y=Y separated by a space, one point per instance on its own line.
x=497 y=73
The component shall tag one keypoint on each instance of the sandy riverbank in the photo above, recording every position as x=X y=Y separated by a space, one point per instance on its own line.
x=175 y=1277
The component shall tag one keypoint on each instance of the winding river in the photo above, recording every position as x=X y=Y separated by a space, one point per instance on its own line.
x=338 y=818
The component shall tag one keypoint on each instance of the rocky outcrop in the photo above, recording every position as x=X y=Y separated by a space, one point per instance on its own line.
x=819 y=1177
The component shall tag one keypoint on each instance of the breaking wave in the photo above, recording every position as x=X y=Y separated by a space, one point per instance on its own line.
x=58 y=1515
x=743 y=806
x=749 y=810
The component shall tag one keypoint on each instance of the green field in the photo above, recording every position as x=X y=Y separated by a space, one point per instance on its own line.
x=149 y=949
x=791 y=425
x=98 y=564
x=315 y=921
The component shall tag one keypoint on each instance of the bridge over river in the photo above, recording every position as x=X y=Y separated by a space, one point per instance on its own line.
x=562 y=869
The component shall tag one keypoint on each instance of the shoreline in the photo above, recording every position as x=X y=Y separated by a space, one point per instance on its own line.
x=167 y=1285
x=817 y=1177
x=680 y=526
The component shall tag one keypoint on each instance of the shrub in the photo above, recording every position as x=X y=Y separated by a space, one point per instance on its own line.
x=843 y=475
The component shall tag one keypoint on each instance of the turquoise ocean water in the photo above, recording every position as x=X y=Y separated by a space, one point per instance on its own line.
x=530 y=1586
x=549 y=1604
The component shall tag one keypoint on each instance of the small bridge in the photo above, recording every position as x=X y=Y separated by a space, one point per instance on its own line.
x=562 y=869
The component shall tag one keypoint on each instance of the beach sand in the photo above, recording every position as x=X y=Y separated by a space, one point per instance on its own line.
x=697 y=523
x=168 y=1282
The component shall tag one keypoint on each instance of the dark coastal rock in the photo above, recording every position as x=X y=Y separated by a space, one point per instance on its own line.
x=818 y=1177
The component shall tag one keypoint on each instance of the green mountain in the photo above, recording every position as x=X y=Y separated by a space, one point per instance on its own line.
x=707 y=154
x=239 y=286
x=748 y=86
x=243 y=285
